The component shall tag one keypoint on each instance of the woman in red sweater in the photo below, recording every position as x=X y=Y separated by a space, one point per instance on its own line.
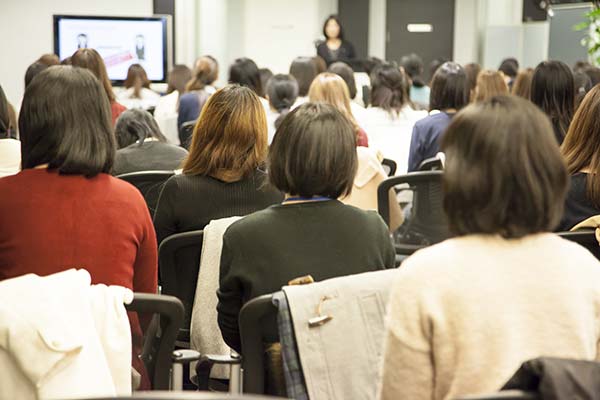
x=64 y=210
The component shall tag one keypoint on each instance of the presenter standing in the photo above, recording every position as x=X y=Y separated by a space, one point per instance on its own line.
x=334 y=47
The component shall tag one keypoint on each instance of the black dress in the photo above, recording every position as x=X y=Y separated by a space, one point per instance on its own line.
x=578 y=207
x=344 y=53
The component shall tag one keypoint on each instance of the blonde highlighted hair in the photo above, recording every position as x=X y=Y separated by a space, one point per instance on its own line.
x=330 y=88
x=489 y=84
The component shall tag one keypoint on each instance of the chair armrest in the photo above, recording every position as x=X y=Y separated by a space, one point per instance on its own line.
x=205 y=364
x=185 y=356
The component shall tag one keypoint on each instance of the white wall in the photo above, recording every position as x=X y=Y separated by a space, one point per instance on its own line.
x=26 y=32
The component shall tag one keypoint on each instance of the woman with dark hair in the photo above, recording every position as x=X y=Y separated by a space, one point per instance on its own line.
x=449 y=94
x=64 y=210
x=489 y=84
x=472 y=70
x=390 y=118
x=419 y=91
x=142 y=146
x=304 y=70
x=347 y=74
x=580 y=150
x=583 y=84
x=522 y=84
x=282 y=92
x=313 y=161
x=223 y=175
x=90 y=59
x=166 y=111
x=137 y=93
x=510 y=68
x=10 y=148
x=265 y=75
x=197 y=90
x=334 y=47
x=553 y=90
x=488 y=293
x=244 y=72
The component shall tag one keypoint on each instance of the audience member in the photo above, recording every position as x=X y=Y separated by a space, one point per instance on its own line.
x=553 y=90
x=223 y=175
x=265 y=75
x=282 y=91
x=303 y=69
x=167 y=107
x=137 y=93
x=244 y=72
x=312 y=160
x=142 y=146
x=10 y=148
x=419 y=91
x=580 y=66
x=320 y=64
x=63 y=210
x=91 y=60
x=580 y=150
x=488 y=293
x=510 y=68
x=33 y=70
x=449 y=94
x=489 y=84
x=472 y=70
x=198 y=90
x=434 y=65
x=594 y=74
x=522 y=84
x=583 y=84
x=347 y=74
x=390 y=118
x=335 y=47
x=49 y=59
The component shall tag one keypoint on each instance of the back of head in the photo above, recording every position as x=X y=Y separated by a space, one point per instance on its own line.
x=434 y=65
x=449 y=88
x=472 y=70
x=331 y=89
x=65 y=122
x=389 y=88
x=347 y=74
x=583 y=84
x=265 y=75
x=497 y=140
x=553 y=90
x=509 y=67
x=314 y=153
x=179 y=76
x=49 y=59
x=244 y=72
x=304 y=70
x=206 y=72
x=580 y=66
x=413 y=66
x=320 y=64
x=581 y=148
x=5 y=123
x=371 y=63
x=136 y=125
x=90 y=59
x=230 y=137
x=489 y=84
x=282 y=91
x=522 y=85
x=33 y=70
x=594 y=74
x=136 y=79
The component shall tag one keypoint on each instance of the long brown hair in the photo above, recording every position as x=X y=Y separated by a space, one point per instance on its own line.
x=91 y=59
x=581 y=147
x=489 y=84
x=230 y=137
x=522 y=85
x=136 y=79
x=205 y=72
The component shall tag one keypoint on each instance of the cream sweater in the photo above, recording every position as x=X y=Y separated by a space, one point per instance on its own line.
x=464 y=314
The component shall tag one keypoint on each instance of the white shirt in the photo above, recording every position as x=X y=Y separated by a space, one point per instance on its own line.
x=10 y=157
x=148 y=98
x=165 y=115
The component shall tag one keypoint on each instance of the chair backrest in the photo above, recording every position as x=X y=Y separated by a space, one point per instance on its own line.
x=504 y=395
x=149 y=183
x=389 y=166
x=185 y=133
x=159 y=345
x=258 y=327
x=584 y=237
x=427 y=223
x=162 y=395
x=431 y=164
x=178 y=266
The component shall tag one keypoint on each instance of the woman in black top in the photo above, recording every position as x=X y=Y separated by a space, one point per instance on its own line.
x=222 y=176
x=313 y=160
x=581 y=150
x=335 y=48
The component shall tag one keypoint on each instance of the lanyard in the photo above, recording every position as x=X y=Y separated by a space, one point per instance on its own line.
x=318 y=198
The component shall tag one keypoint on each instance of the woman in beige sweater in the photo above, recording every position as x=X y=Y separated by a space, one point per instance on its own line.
x=464 y=314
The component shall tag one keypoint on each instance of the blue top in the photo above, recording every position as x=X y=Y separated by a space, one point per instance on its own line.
x=424 y=142
x=420 y=95
x=190 y=105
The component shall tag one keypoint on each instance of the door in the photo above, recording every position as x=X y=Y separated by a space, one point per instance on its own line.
x=432 y=26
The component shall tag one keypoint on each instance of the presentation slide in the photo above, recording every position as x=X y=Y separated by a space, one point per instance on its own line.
x=119 y=42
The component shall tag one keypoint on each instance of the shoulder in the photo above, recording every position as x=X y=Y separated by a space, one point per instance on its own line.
x=248 y=225
x=188 y=98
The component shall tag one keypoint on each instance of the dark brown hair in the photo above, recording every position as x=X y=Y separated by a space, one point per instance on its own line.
x=472 y=70
x=314 y=153
x=91 y=59
x=389 y=89
x=347 y=74
x=449 y=88
x=65 y=122
x=136 y=125
x=504 y=174
x=304 y=70
x=5 y=120
x=206 y=71
x=245 y=72
x=179 y=76
x=522 y=85
x=230 y=137
x=136 y=79
x=581 y=147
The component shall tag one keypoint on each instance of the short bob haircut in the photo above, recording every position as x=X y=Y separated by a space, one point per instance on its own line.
x=333 y=17
x=347 y=74
x=230 y=137
x=314 y=153
x=65 y=122
x=91 y=59
x=304 y=70
x=504 y=174
x=136 y=125
x=509 y=67
x=244 y=72
x=449 y=88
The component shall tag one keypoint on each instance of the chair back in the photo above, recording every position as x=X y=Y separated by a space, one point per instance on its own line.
x=389 y=166
x=258 y=327
x=159 y=344
x=178 y=266
x=584 y=237
x=187 y=395
x=431 y=164
x=185 y=133
x=149 y=183
x=504 y=395
x=427 y=223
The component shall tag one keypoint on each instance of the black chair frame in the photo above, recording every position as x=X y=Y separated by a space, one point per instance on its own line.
x=149 y=183
x=391 y=165
x=505 y=395
x=584 y=237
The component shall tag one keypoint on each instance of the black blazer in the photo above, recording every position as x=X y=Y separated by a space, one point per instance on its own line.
x=344 y=53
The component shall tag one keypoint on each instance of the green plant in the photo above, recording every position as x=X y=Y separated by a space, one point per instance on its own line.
x=592 y=26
